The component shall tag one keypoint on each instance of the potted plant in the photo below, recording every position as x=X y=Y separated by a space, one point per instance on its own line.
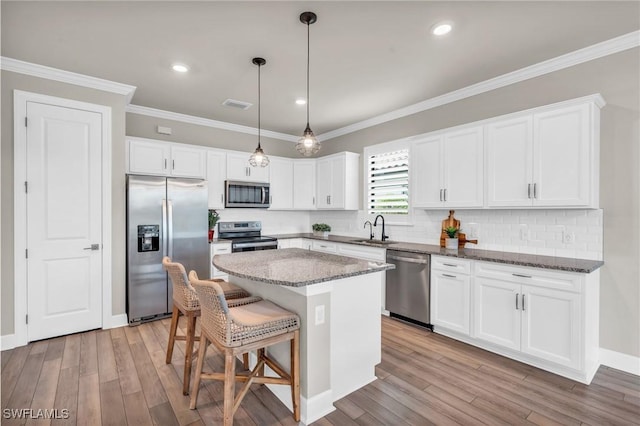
x=214 y=216
x=321 y=229
x=452 y=241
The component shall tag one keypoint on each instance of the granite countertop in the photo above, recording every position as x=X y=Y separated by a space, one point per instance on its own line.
x=522 y=259
x=294 y=267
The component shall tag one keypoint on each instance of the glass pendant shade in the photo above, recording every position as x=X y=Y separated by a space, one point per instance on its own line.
x=308 y=144
x=258 y=158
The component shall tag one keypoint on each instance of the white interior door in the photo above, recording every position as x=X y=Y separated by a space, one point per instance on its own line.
x=64 y=220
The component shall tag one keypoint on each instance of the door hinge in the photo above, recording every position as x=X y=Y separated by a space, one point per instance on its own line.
x=25 y=122
x=26 y=319
x=26 y=253
x=26 y=187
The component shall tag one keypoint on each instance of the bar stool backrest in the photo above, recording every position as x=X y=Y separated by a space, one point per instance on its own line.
x=214 y=309
x=183 y=293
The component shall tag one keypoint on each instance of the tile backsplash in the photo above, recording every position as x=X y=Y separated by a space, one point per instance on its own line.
x=564 y=233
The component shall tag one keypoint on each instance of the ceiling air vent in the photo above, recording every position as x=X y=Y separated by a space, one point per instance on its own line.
x=237 y=104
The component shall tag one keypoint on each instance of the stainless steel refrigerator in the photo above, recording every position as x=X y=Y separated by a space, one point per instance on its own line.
x=165 y=217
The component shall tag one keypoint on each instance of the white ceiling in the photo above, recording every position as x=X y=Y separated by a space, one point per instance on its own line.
x=367 y=58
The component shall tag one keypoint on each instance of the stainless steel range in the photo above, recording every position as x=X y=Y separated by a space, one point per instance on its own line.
x=246 y=236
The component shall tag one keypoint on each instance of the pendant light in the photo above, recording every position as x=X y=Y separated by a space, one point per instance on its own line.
x=308 y=144
x=258 y=158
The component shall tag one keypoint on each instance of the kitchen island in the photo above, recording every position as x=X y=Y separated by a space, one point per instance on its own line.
x=338 y=301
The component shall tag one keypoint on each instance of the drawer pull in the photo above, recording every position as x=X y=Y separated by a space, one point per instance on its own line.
x=449 y=264
x=523 y=302
x=521 y=276
x=517 y=307
x=449 y=276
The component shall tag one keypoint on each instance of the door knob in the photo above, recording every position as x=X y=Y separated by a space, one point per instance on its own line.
x=92 y=247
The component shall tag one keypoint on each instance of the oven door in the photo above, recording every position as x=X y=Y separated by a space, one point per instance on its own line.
x=247 y=194
x=250 y=246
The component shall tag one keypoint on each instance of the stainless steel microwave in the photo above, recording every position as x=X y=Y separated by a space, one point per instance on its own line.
x=246 y=194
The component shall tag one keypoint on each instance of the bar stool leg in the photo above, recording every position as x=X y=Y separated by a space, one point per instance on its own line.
x=202 y=351
x=229 y=386
x=172 y=333
x=188 y=351
x=295 y=375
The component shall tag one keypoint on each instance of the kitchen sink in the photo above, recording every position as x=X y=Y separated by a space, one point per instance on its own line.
x=376 y=242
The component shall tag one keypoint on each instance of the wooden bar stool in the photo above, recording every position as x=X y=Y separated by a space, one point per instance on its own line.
x=185 y=302
x=237 y=330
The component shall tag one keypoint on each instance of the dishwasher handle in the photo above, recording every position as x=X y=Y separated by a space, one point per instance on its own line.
x=408 y=259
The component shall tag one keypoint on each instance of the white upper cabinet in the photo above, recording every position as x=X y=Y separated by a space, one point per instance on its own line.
x=281 y=183
x=216 y=175
x=238 y=168
x=338 y=182
x=188 y=162
x=562 y=157
x=510 y=162
x=426 y=171
x=545 y=158
x=304 y=184
x=151 y=157
x=448 y=169
x=148 y=157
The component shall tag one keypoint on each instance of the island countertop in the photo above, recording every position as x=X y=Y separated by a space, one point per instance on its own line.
x=294 y=267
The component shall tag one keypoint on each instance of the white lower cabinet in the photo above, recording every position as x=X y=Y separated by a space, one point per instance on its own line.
x=542 y=317
x=450 y=294
x=219 y=247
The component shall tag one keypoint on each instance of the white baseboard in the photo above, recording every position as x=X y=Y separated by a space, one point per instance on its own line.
x=620 y=361
x=311 y=409
x=119 y=320
x=8 y=341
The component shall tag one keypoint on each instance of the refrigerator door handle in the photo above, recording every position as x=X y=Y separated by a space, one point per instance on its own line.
x=164 y=227
x=170 y=229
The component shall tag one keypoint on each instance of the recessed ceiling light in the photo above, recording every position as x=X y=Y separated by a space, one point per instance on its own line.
x=301 y=101
x=441 y=28
x=180 y=68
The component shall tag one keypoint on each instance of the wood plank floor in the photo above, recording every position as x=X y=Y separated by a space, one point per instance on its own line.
x=119 y=377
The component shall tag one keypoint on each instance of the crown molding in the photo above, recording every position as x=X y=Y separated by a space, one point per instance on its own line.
x=191 y=119
x=599 y=50
x=41 y=71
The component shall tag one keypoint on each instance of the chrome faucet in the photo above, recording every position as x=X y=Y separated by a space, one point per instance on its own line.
x=375 y=223
x=370 y=229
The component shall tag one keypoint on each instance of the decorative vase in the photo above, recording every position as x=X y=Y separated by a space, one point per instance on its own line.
x=451 y=243
x=211 y=232
x=323 y=234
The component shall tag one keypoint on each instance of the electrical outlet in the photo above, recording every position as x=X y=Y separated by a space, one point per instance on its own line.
x=319 y=314
x=472 y=229
x=568 y=237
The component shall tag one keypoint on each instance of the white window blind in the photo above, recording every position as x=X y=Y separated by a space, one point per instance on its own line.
x=388 y=183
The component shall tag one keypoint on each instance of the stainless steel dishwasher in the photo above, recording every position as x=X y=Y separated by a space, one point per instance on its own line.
x=408 y=289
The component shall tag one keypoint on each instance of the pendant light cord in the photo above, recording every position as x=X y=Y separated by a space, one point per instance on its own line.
x=259 y=105
x=308 y=54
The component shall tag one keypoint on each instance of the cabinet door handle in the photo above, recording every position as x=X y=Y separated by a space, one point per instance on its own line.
x=523 y=302
x=521 y=276
x=440 y=194
x=165 y=164
x=529 y=190
x=535 y=192
x=173 y=164
x=222 y=198
x=517 y=307
x=314 y=201
x=445 y=194
x=449 y=276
